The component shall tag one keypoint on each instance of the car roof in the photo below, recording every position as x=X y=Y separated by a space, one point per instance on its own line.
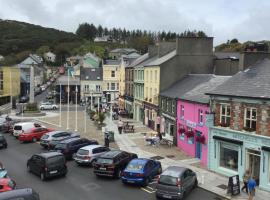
x=140 y=161
x=24 y=123
x=68 y=140
x=50 y=154
x=55 y=132
x=91 y=147
x=111 y=154
x=174 y=171
x=16 y=193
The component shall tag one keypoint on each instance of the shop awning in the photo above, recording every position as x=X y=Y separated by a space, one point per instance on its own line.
x=228 y=140
x=265 y=148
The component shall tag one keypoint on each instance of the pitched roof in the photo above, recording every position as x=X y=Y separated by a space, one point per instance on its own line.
x=254 y=82
x=226 y=55
x=111 y=62
x=91 y=74
x=123 y=50
x=139 y=60
x=194 y=86
x=159 y=61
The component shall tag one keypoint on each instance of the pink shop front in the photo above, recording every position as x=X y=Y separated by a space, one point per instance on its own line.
x=192 y=133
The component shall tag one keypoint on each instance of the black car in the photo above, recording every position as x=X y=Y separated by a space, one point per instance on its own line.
x=24 y=99
x=3 y=142
x=68 y=147
x=112 y=163
x=47 y=165
x=23 y=194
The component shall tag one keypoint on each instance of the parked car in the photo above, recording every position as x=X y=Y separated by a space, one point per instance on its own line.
x=112 y=163
x=49 y=140
x=47 y=165
x=24 y=99
x=70 y=146
x=43 y=87
x=88 y=155
x=3 y=142
x=2 y=123
x=48 y=106
x=7 y=184
x=141 y=171
x=20 y=194
x=23 y=127
x=175 y=183
x=7 y=126
x=34 y=134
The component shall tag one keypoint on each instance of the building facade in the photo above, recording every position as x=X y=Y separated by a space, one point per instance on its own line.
x=129 y=90
x=239 y=138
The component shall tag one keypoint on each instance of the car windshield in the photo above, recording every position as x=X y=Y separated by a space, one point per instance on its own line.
x=61 y=146
x=168 y=180
x=135 y=166
x=83 y=152
x=17 y=128
x=56 y=160
x=45 y=137
x=105 y=161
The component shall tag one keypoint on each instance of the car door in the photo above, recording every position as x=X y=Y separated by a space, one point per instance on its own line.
x=35 y=164
x=37 y=133
x=186 y=180
x=152 y=169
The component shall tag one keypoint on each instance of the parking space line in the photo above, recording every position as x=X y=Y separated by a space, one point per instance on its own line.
x=150 y=192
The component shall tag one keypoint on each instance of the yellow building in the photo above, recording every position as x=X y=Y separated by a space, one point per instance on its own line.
x=151 y=92
x=10 y=83
x=111 y=78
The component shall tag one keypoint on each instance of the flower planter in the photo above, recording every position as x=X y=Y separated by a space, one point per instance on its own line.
x=200 y=139
x=189 y=134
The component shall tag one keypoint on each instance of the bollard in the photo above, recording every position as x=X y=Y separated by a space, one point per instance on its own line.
x=202 y=180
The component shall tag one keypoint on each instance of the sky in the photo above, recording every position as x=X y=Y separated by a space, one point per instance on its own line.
x=221 y=19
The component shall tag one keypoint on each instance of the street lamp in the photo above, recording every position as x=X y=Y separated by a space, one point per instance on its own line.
x=76 y=123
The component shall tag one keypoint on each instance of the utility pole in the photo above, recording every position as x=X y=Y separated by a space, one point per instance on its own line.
x=68 y=103
x=10 y=85
x=31 y=84
x=76 y=123
x=60 y=107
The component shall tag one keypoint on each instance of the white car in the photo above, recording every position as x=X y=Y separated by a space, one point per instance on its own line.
x=48 y=106
x=23 y=127
x=88 y=154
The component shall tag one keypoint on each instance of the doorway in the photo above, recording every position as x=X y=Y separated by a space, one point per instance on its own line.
x=198 y=146
x=253 y=163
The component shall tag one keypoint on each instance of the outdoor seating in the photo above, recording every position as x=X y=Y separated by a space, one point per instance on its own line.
x=128 y=129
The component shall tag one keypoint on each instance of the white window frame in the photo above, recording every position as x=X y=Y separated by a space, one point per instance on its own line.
x=113 y=88
x=250 y=117
x=182 y=111
x=225 y=114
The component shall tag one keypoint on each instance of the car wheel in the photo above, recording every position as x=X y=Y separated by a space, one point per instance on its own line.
x=118 y=175
x=28 y=168
x=195 y=184
x=41 y=108
x=54 y=108
x=93 y=162
x=42 y=176
x=34 y=139
x=5 y=146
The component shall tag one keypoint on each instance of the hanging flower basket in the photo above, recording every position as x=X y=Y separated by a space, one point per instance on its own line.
x=181 y=130
x=189 y=134
x=200 y=139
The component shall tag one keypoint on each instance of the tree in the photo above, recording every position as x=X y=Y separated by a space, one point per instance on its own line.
x=84 y=31
x=43 y=49
x=234 y=41
x=100 y=30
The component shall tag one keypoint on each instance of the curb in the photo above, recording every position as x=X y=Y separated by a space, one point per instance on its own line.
x=222 y=196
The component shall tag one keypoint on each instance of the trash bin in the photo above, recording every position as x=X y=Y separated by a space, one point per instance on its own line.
x=110 y=135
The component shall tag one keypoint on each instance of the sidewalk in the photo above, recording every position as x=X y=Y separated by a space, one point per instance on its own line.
x=208 y=180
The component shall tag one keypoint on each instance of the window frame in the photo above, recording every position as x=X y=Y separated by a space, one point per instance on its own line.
x=113 y=73
x=250 y=118
x=200 y=116
x=227 y=118
x=2 y=80
x=182 y=111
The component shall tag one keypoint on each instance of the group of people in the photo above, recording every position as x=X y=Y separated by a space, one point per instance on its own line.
x=249 y=184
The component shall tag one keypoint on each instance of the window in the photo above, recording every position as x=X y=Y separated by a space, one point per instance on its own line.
x=112 y=86
x=228 y=157
x=173 y=107
x=162 y=103
x=86 y=88
x=151 y=76
x=2 y=80
x=200 y=116
x=225 y=114
x=250 y=119
x=167 y=105
x=155 y=75
x=108 y=86
x=98 y=88
x=112 y=73
x=182 y=112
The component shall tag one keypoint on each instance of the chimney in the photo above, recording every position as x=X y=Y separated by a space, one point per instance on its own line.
x=165 y=48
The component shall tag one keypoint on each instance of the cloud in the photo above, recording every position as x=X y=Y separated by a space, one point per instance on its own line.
x=223 y=19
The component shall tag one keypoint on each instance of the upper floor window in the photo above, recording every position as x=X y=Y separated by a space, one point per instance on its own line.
x=146 y=76
x=98 y=88
x=86 y=88
x=173 y=107
x=162 y=103
x=2 y=80
x=112 y=73
x=155 y=75
x=250 y=119
x=108 y=86
x=225 y=114
x=182 y=111
x=112 y=86
x=200 y=116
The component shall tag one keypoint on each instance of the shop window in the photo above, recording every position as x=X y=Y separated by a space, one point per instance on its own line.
x=228 y=157
x=250 y=119
x=200 y=117
x=225 y=115
x=182 y=112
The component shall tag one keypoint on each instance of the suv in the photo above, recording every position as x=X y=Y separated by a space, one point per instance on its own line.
x=49 y=140
x=3 y=142
x=47 y=165
x=175 y=183
x=89 y=154
x=68 y=147
x=48 y=106
x=113 y=163
x=20 y=194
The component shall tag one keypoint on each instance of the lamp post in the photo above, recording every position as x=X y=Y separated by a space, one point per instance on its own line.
x=10 y=87
x=76 y=123
x=85 y=114
x=60 y=107
x=68 y=103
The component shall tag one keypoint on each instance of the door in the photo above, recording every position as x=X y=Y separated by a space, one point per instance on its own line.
x=198 y=151
x=253 y=163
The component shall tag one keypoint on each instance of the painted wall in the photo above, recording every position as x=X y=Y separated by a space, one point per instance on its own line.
x=151 y=84
x=11 y=81
x=191 y=119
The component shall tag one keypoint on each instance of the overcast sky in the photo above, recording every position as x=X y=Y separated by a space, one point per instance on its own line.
x=222 y=19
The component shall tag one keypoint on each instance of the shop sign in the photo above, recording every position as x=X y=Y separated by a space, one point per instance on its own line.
x=191 y=124
x=245 y=138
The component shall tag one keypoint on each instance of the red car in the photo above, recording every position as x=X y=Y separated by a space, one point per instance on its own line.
x=7 y=184
x=34 y=134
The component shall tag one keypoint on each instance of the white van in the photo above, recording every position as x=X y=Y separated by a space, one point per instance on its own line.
x=23 y=127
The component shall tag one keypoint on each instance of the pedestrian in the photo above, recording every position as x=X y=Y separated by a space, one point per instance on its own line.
x=120 y=126
x=251 y=188
x=246 y=177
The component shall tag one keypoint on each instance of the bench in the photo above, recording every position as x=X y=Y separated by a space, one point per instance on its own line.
x=128 y=129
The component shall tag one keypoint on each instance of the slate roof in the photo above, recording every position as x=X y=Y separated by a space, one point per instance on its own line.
x=112 y=62
x=159 y=61
x=194 y=86
x=91 y=74
x=139 y=60
x=254 y=82
x=226 y=55
x=123 y=50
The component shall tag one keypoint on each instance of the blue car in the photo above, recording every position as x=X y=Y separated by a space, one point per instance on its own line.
x=141 y=171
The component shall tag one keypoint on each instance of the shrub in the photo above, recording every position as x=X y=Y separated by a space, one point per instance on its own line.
x=32 y=107
x=101 y=117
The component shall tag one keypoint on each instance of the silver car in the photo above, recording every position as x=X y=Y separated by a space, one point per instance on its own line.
x=176 y=183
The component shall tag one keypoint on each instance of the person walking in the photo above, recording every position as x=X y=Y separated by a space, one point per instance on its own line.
x=246 y=177
x=251 y=188
x=120 y=126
